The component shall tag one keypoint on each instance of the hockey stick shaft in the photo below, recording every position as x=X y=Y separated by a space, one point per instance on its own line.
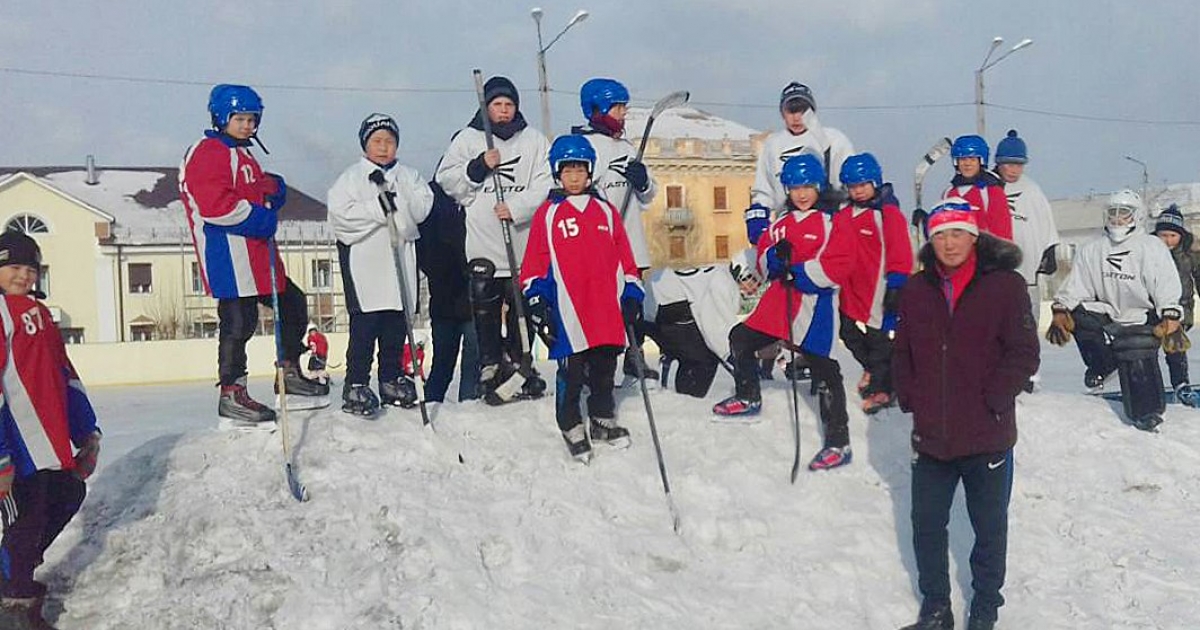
x=674 y=99
x=297 y=489
x=639 y=365
x=791 y=374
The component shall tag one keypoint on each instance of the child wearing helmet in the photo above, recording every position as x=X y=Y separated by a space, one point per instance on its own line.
x=979 y=186
x=804 y=256
x=1121 y=302
x=577 y=263
x=318 y=353
x=883 y=260
x=232 y=209
x=369 y=198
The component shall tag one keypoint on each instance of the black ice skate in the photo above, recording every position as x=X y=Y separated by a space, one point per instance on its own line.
x=240 y=409
x=302 y=393
x=401 y=392
x=359 y=400
x=607 y=430
x=577 y=443
x=502 y=383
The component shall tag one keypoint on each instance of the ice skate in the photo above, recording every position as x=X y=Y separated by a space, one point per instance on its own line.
x=607 y=430
x=736 y=410
x=359 y=400
x=401 y=392
x=831 y=457
x=302 y=393
x=577 y=443
x=239 y=411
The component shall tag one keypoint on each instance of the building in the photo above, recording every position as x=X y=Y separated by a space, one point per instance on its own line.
x=119 y=264
x=704 y=166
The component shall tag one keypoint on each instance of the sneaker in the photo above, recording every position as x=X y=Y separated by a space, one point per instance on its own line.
x=1187 y=395
x=608 y=431
x=297 y=385
x=401 y=392
x=831 y=457
x=577 y=443
x=1148 y=422
x=359 y=400
x=237 y=405
x=734 y=406
x=874 y=403
x=935 y=618
x=863 y=383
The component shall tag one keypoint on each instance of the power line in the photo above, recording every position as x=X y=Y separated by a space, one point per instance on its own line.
x=272 y=86
x=1136 y=121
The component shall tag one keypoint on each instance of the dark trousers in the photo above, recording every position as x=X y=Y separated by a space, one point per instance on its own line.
x=1093 y=343
x=679 y=339
x=744 y=342
x=385 y=328
x=595 y=368
x=1177 y=366
x=447 y=336
x=987 y=482
x=46 y=502
x=239 y=320
x=872 y=348
x=496 y=324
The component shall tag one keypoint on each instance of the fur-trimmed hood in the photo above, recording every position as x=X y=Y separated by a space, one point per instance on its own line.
x=992 y=254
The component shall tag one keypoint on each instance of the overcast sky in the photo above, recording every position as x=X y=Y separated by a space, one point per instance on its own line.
x=894 y=75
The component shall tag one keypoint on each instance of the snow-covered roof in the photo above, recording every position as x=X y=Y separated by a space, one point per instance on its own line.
x=686 y=122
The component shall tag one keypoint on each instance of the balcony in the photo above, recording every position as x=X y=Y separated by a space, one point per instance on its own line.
x=679 y=218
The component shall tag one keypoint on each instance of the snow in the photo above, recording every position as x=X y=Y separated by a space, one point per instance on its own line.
x=485 y=523
x=686 y=122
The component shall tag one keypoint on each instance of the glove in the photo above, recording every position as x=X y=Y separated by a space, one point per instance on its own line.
x=1170 y=331
x=85 y=457
x=918 y=218
x=477 y=169
x=758 y=219
x=779 y=259
x=276 y=200
x=1049 y=264
x=631 y=305
x=895 y=281
x=542 y=318
x=636 y=175
x=1061 y=326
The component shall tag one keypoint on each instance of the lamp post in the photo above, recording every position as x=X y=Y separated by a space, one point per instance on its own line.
x=988 y=62
x=1145 y=178
x=543 y=83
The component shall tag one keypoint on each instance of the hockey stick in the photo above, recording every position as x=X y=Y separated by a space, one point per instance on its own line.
x=672 y=100
x=299 y=492
x=389 y=210
x=526 y=367
x=639 y=365
x=935 y=153
x=794 y=400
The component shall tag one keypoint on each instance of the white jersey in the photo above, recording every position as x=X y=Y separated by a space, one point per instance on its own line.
x=524 y=173
x=612 y=155
x=781 y=145
x=711 y=293
x=364 y=239
x=1123 y=280
x=1033 y=224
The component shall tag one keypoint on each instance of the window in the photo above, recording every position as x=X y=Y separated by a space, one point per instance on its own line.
x=197 y=279
x=678 y=250
x=141 y=280
x=141 y=332
x=719 y=200
x=204 y=330
x=43 y=283
x=674 y=196
x=72 y=335
x=322 y=274
x=28 y=224
x=722 y=247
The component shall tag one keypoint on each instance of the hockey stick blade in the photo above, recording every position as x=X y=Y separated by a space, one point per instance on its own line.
x=674 y=99
x=299 y=492
x=670 y=101
x=938 y=151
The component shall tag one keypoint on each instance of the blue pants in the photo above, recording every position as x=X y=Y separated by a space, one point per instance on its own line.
x=383 y=328
x=987 y=481
x=447 y=335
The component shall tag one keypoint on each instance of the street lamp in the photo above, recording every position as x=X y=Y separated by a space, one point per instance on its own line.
x=543 y=84
x=979 y=124
x=1145 y=177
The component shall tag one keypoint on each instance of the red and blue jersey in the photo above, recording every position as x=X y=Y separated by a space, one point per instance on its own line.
x=224 y=189
x=579 y=259
x=46 y=409
x=881 y=247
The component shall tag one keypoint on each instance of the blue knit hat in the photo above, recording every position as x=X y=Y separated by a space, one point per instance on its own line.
x=1171 y=219
x=1011 y=149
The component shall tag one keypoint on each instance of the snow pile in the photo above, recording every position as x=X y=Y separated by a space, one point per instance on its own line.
x=487 y=524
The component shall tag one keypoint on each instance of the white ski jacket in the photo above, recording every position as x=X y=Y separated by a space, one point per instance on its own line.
x=1033 y=224
x=711 y=293
x=524 y=173
x=781 y=145
x=1123 y=280
x=364 y=242
x=612 y=155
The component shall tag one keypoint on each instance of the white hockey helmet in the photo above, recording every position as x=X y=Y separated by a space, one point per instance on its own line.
x=1123 y=215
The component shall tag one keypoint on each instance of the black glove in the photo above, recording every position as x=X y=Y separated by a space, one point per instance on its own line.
x=477 y=169
x=918 y=218
x=635 y=173
x=542 y=319
x=631 y=311
x=1049 y=263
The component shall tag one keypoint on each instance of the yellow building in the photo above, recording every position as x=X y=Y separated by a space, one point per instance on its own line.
x=118 y=259
x=704 y=167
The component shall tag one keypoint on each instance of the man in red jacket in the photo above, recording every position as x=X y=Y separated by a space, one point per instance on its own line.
x=966 y=344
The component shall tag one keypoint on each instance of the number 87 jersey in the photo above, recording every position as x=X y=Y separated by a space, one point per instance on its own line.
x=579 y=260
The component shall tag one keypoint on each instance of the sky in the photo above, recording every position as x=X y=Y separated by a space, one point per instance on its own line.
x=128 y=82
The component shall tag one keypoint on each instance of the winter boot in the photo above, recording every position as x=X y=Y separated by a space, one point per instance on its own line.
x=1148 y=422
x=359 y=400
x=401 y=392
x=1187 y=395
x=831 y=457
x=740 y=409
x=23 y=613
x=933 y=617
x=501 y=383
x=874 y=403
x=298 y=385
x=237 y=405
x=608 y=431
x=577 y=443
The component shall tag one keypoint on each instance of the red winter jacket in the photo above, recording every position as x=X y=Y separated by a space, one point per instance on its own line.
x=959 y=373
x=985 y=193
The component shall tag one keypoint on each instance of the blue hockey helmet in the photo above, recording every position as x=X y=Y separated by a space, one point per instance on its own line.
x=861 y=168
x=802 y=170
x=225 y=100
x=600 y=95
x=571 y=148
x=970 y=146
